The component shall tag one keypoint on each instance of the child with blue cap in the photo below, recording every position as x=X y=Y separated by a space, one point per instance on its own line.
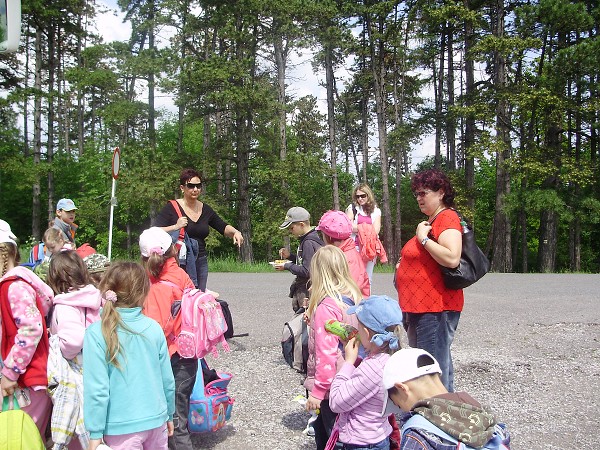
x=357 y=393
x=65 y=219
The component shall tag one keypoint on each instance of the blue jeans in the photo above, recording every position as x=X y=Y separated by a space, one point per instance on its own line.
x=381 y=445
x=184 y=372
x=434 y=332
x=202 y=272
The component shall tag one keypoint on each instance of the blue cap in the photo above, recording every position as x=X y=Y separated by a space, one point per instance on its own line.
x=66 y=204
x=377 y=313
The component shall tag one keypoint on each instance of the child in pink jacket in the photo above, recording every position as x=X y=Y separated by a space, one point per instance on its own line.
x=76 y=306
x=77 y=301
x=336 y=228
x=331 y=283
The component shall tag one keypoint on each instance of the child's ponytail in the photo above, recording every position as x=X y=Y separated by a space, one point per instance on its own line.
x=155 y=262
x=8 y=253
x=125 y=285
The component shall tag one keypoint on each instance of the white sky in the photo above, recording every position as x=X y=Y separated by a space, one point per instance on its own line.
x=301 y=79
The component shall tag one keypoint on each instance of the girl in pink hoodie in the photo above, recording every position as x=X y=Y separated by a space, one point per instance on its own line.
x=332 y=291
x=77 y=301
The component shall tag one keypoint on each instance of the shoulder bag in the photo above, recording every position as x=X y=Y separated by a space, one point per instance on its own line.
x=473 y=262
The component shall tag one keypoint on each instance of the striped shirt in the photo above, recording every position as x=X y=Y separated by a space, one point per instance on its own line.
x=357 y=395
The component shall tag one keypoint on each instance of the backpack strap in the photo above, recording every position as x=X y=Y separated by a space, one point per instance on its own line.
x=175 y=308
x=418 y=422
x=175 y=206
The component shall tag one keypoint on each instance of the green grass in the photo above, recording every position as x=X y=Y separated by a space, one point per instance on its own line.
x=231 y=264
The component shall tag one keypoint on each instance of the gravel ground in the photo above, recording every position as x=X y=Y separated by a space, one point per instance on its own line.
x=528 y=345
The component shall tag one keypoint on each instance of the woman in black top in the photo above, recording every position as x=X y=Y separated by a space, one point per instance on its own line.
x=196 y=217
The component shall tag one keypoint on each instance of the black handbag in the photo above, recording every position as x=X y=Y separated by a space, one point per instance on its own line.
x=473 y=262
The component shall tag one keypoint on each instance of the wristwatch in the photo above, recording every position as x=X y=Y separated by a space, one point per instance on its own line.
x=424 y=241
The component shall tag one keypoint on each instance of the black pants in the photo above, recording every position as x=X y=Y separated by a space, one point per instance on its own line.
x=324 y=424
x=184 y=372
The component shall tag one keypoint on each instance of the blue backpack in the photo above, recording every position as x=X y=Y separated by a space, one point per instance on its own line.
x=500 y=439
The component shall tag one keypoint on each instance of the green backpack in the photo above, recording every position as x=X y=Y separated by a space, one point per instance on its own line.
x=17 y=429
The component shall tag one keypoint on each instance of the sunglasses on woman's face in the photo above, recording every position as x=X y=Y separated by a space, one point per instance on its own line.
x=191 y=186
x=361 y=195
x=421 y=193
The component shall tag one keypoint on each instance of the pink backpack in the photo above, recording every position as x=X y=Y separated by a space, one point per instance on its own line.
x=203 y=325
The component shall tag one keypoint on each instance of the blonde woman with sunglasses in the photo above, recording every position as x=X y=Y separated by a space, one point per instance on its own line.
x=363 y=209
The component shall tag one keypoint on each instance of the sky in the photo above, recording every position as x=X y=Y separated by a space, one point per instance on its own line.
x=301 y=78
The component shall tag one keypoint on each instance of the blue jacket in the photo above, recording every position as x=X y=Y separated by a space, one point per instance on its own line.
x=138 y=397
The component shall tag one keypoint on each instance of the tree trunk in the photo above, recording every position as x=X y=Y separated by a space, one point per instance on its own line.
x=52 y=68
x=438 y=83
x=450 y=120
x=502 y=256
x=330 y=86
x=37 y=134
x=378 y=64
x=151 y=77
x=470 y=127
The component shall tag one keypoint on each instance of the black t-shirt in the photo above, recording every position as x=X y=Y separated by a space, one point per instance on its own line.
x=195 y=230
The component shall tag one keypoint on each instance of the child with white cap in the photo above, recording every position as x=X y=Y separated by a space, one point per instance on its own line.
x=336 y=228
x=65 y=219
x=435 y=418
x=357 y=393
x=167 y=283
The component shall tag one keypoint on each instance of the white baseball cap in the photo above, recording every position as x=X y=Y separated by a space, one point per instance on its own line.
x=405 y=365
x=154 y=240
x=6 y=234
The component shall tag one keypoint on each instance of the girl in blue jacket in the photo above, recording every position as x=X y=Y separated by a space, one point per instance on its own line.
x=129 y=391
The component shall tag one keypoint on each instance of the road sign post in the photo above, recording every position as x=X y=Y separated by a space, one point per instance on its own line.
x=116 y=162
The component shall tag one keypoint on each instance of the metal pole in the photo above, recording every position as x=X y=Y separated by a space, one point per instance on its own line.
x=113 y=202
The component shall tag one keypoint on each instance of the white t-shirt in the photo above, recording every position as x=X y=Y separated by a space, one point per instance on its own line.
x=359 y=211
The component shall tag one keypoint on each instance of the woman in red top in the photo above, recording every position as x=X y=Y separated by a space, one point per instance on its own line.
x=431 y=310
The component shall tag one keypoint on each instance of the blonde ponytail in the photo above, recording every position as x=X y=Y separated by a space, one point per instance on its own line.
x=125 y=285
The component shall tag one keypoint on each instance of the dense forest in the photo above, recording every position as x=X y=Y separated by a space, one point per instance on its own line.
x=508 y=90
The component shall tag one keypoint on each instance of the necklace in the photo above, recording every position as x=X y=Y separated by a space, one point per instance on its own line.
x=196 y=208
x=437 y=211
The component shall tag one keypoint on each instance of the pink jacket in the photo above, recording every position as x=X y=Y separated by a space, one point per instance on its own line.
x=73 y=313
x=369 y=243
x=356 y=266
x=29 y=319
x=324 y=354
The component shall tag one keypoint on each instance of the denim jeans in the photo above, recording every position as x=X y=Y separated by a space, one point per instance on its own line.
x=434 y=332
x=202 y=272
x=184 y=372
x=381 y=445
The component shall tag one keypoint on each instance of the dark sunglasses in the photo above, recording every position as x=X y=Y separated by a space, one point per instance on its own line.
x=421 y=193
x=193 y=185
x=361 y=196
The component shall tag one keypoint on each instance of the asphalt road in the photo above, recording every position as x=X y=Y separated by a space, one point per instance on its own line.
x=527 y=345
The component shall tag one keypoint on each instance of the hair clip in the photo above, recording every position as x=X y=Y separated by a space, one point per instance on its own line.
x=110 y=296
